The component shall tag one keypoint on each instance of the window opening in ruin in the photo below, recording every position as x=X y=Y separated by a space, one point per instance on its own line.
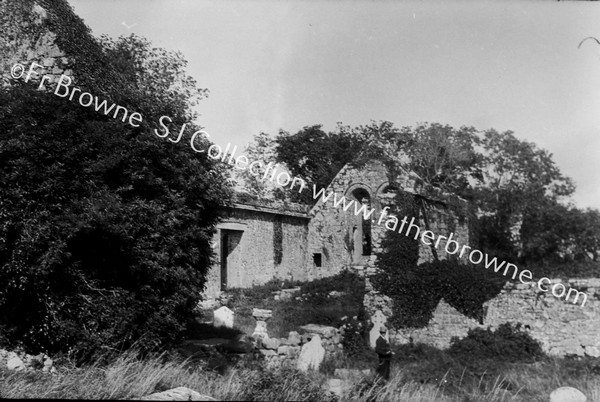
x=317 y=259
x=361 y=231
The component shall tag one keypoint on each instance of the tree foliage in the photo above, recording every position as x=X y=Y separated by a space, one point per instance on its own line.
x=521 y=183
x=105 y=229
x=440 y=155
x=316 y=156
x=262 y=149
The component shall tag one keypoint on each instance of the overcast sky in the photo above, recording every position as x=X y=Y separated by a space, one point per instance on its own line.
x=284 y=65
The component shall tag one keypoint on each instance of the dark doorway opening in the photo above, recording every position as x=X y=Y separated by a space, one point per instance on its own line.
x=230 y=254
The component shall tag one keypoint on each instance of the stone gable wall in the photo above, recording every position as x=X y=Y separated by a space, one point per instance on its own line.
x=561 y=327
x=330 y=229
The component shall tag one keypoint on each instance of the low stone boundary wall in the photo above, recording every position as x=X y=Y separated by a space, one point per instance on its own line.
x=286 y=351
x=562 y=328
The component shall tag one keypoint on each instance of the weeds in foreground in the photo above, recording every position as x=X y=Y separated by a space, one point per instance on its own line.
x=130 y=377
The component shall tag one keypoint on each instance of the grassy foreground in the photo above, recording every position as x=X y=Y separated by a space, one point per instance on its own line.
x=129 y=377
x=486 y=366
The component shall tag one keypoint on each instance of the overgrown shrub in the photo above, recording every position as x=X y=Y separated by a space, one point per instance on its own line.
x=507 y=343
x=354 y=336
x=105 y=229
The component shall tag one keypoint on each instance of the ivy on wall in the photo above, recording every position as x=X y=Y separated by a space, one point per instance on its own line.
x=397 y=276
x=417 y=289
x=74 y=37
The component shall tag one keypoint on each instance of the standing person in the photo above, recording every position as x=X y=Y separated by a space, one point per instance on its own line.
x=382 y=348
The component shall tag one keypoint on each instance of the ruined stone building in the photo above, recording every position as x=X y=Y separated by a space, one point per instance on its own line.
x=257 y=243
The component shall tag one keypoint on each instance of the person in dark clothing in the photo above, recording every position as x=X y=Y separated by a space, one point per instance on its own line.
x=382 y=348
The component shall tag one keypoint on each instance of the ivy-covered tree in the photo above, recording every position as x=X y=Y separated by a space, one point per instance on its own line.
x=416 y=289
x=414 y=292
x=105 y=229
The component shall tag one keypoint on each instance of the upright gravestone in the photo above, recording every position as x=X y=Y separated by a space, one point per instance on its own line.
x=223 y=317
x=311 y=355
x=378 y=319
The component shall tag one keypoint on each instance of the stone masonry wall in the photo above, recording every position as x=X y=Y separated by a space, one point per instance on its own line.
x=561 y=327
x=26 y=39
x=284 y=352
x=50 y=34
x=330 y=229
x=254 y=260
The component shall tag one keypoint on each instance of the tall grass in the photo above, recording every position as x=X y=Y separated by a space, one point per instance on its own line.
x=130 y=377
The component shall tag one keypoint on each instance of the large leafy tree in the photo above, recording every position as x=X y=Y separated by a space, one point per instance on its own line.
x=445 y=157
x=105 y=229
x=521 y=183
x=317 y=156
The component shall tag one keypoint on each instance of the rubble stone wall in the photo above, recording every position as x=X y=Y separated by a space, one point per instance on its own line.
x=563 y=328
x=284 y=352
x=26 y=39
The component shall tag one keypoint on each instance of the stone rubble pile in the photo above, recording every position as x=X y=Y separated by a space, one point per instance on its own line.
x=285 y=294
x=24 y=362
x=305 y=351
x=178 y=394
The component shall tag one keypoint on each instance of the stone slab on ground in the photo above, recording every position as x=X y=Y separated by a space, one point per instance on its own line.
x=271 y=343
x=178 y=394
x=321 y=330
x=592 y=351
x=205 y=342
x=567 y=394
x=335 y=386
x=262 y=314
x=351 y=374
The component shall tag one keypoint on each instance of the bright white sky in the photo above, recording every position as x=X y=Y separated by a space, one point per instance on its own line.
x=288 y=64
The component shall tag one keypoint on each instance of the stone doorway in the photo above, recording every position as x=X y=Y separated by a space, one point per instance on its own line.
x=231 y=256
